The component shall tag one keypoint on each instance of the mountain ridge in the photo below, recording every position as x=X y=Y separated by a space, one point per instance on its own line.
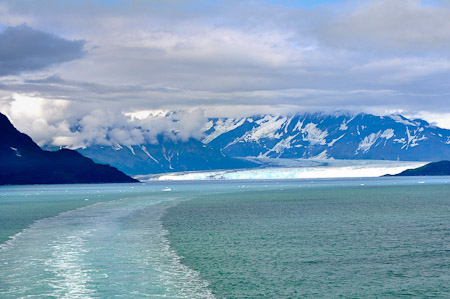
x=321 y=135
x=248 y=142
x=22 y=161
x=440 y=168
x=165 y=156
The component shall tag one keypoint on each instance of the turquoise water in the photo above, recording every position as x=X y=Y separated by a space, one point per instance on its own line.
x=386 y=237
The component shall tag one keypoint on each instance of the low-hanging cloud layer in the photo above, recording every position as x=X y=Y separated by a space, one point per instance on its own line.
x=86 y=66
x=56 y=123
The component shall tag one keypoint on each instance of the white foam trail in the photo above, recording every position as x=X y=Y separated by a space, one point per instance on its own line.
x=71 y=273
x=108 y=249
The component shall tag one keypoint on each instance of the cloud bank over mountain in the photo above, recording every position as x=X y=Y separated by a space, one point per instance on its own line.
x=61 y=123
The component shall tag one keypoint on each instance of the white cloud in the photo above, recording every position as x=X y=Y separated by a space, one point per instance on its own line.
x=63 y=125
x=41 y=118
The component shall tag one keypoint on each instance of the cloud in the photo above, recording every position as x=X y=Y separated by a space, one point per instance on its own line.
x=407 y=26
x=52 y=122
x=112 y=127
x=23 y=48
x=63 y=123
x=232 y=58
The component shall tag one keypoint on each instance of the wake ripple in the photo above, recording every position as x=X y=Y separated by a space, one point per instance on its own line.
x=117 y=248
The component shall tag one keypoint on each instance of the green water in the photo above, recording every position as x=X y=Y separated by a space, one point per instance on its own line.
x=109 y=246
x=351 y=238
x=21 y=206
x=351 y=241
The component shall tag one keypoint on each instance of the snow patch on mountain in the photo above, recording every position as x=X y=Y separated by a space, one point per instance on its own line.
x=388 y=134
x=322 y=156
x=413 y=138
x=314 y=135
x=287 y=124
x=117 y=147
x=208 y=126
x=221 y=127
x=344 y=124
x=16 y=151
x=131 y=149
x=368 y=141
x=281 y=146
x=144 y=149
x=366 y=144
x=334 y=140
x=268 y=127
x=298 y=125
x=400 y=119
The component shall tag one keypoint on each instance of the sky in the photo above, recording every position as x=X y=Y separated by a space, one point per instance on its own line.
x=81 y=72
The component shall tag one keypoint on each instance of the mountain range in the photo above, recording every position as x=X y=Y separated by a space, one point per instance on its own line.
x=325 y=136
x=230 y=143
x=23 y=162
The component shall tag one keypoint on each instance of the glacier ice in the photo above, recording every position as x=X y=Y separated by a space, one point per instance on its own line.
x=336 y=169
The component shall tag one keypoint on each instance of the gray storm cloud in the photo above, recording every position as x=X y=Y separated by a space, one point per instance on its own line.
x=23 y=48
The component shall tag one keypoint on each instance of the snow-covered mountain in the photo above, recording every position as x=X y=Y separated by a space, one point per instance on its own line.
x=231 y=143
x=321 y=136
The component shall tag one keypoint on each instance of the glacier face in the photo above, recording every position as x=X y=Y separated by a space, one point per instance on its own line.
x=330 y=169
x=338 y=136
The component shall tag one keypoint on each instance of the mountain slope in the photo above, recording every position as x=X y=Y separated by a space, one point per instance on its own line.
x=165 y=156
x=339 y=136
x=431 y=169
x=23 y=162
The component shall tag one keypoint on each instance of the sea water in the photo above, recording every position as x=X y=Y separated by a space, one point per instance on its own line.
x=383 y=237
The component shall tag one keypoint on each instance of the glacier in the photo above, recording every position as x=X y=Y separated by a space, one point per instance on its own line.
x=317 y=169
